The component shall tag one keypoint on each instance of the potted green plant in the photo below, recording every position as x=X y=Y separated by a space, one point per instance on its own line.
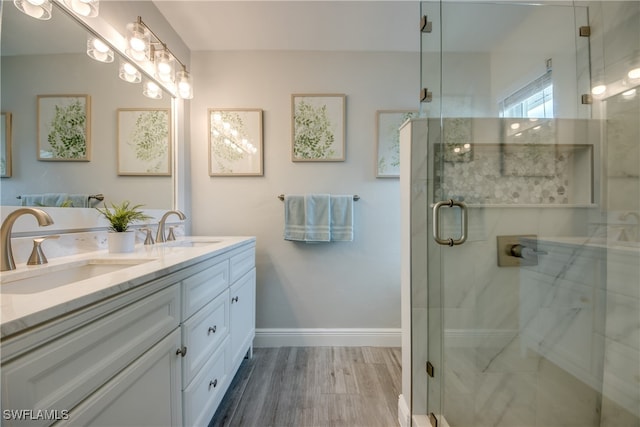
x=120 y=217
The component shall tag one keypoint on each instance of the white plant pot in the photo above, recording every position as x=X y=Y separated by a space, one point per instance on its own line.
x=121 y=242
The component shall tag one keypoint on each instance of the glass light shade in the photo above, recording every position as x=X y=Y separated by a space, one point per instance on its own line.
x=164 y=65
x=129 y=73
x=39 y=9
x=98 y=50
x=184 y=84
x=88 y=8
x=151 y=90
x=138 y=43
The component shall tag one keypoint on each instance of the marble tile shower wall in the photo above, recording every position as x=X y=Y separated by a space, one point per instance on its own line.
x=489 y=379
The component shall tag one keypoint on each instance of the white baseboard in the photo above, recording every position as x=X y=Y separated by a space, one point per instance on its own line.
x=404 y=413
x=316 y=337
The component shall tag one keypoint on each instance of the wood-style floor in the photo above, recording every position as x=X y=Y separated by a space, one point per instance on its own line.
x=314 y=387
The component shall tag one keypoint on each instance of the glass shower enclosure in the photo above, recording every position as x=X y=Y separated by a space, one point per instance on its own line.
x=527 y=309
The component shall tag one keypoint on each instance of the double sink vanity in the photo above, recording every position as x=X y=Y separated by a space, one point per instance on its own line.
x=151 y=337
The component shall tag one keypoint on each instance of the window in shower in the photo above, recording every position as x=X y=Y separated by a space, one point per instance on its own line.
x=535 y=100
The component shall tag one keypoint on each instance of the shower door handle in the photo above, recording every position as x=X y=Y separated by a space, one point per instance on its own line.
x=436 y=223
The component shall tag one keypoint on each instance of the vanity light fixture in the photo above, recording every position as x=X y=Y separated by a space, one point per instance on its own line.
x=39 y=9
x=151 y=90
x=98 y=50
x=164 y=65
x=138 y=41
x=88 y=8
x=129 y=73
x=183 y=81
x=144 y=45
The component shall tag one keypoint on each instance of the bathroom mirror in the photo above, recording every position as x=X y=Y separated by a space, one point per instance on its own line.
x=49 y=58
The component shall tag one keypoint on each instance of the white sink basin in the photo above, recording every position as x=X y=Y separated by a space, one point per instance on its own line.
x=192 y=243
x=49 y=277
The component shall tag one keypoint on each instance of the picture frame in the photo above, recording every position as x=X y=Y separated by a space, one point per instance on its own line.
x=144 y=141
x=64 y=128
x=235 y=142
x=5 y=145
x=318 y=127
x=388 y=124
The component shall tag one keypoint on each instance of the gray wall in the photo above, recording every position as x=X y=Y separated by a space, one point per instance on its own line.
x=336 y=285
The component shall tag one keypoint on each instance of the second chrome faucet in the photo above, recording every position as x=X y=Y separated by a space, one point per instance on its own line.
x=160 y=235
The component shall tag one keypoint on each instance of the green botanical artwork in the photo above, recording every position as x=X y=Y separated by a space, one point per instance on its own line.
x=63 y=127
x=318 y=128
x=144 y=137
x=388 y=136
x=149 y=139
x=235 y=142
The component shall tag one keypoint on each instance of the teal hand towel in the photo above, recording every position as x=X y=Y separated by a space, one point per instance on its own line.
x=342 y=218
x=317 y=218
x=294 y=218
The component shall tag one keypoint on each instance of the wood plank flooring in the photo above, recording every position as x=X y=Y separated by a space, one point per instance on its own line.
x=314 y=387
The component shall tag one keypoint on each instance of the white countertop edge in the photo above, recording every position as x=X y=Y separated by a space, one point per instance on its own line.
x=22 y=311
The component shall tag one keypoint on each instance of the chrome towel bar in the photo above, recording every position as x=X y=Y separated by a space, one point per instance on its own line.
x=355 y=197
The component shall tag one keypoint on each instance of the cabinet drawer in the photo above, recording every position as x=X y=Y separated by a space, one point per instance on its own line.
x=242 y=262
x=58 y=375
x=202 y=287
x=203 y=333
x=201 y=398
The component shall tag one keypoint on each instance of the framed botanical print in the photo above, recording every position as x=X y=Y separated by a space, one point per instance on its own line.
x=318 y=127
x=235 y=142
x=5 y=145
x=64 y=124
x=144 y=141
x=388 y=124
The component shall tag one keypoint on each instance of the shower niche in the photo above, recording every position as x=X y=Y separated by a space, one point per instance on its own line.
x=517 y=162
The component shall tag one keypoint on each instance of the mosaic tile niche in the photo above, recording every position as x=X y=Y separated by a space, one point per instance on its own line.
x=522 y=163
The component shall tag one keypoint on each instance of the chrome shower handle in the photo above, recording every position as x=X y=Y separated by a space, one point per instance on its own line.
x=436 y=223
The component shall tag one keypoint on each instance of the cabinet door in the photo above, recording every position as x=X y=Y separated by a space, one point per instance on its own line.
x=242 y=316
x=146 y=393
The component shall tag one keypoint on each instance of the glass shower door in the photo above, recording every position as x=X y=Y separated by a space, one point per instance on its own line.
x=516 y=314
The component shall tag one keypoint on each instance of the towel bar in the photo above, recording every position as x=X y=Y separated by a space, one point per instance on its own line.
x=355 y=197
x=98 y=197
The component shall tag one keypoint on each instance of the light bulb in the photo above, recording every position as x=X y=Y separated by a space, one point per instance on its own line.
x=129 y=73
x=598 y=90
x=39 y=9
x=629 y=94
x=98 y=50
x=634 y=74
x=515 y=126
x=151 y=90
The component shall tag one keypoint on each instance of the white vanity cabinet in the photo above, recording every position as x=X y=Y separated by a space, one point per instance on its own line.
x=219 y=332
x=161 y=353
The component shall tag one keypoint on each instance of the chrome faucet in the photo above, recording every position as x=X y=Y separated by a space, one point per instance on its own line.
x=160 y=234
x=5 y=233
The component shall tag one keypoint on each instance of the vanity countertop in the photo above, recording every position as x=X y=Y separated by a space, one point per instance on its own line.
x=24 y=308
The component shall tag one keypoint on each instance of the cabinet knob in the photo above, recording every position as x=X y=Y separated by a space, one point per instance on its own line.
x=182 y=351
x=212 y=330
x=234 y=299
x=213 y=383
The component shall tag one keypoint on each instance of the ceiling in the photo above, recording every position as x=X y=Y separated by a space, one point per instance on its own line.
x=335 y=25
